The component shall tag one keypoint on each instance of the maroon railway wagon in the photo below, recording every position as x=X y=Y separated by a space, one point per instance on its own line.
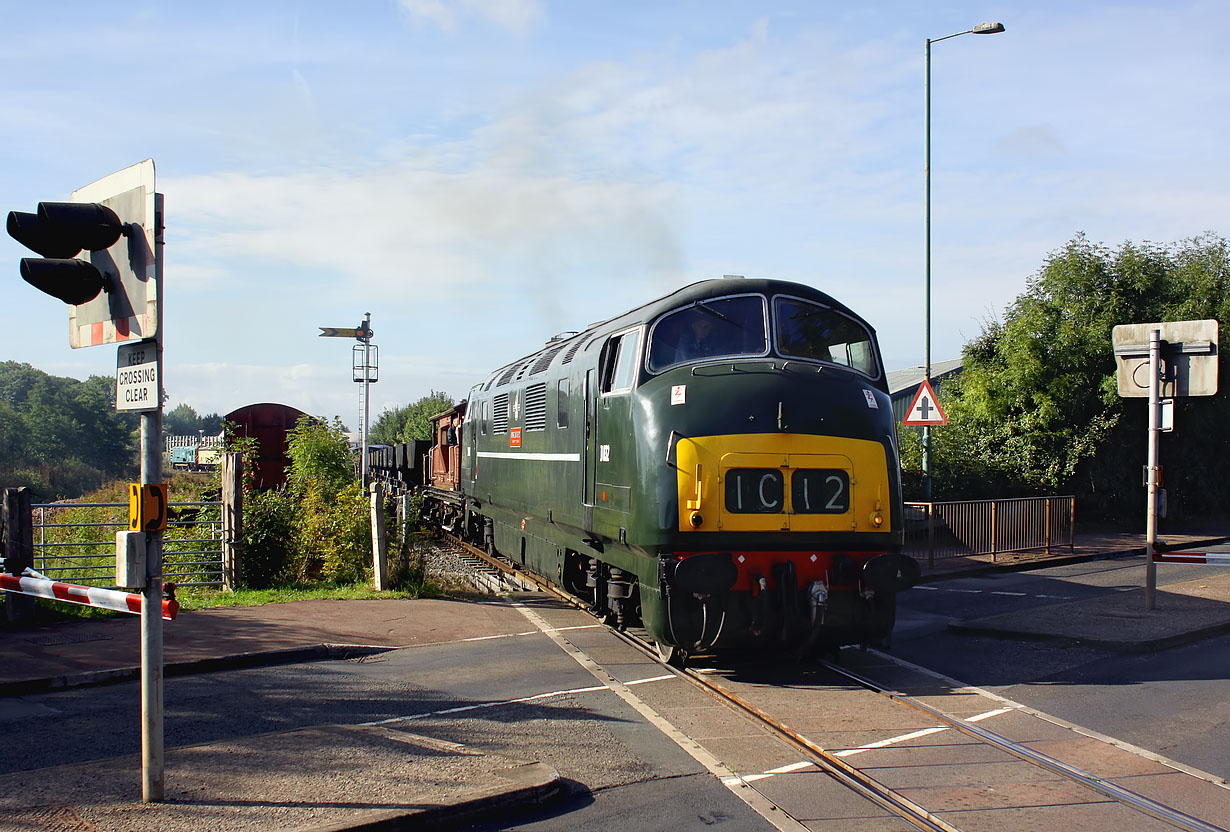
x=268 y=424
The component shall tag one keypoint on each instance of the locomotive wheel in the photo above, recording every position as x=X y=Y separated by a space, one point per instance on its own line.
x=671 y=654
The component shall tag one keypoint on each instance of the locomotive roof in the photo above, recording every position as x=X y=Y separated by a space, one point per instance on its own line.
x=701 y=290
x=720 y=287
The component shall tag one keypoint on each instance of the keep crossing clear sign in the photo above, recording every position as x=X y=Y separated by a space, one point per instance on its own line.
x=925 y=409
x=136 y=377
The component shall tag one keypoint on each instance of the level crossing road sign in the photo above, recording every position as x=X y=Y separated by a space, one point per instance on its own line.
x=925 y=409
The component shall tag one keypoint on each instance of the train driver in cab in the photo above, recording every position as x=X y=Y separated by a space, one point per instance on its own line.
x=706 y=335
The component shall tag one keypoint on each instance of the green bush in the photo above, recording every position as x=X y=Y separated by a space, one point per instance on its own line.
x=333 y=537
x=268 y=537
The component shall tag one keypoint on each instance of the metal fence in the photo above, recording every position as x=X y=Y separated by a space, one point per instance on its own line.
x=934 y=531
x=75 y=542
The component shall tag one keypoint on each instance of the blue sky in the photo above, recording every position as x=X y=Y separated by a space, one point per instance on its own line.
x=482 y=175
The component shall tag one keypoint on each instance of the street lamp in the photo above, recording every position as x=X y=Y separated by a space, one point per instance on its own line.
x=980 y=29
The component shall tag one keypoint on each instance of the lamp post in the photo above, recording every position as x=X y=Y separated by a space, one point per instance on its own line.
x=980 y=29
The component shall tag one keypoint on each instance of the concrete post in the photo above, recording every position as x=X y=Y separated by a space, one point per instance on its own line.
x=380 y=545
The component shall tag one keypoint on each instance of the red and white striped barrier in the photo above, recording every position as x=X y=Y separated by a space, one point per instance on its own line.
x=1206 y=558
x=32 y=583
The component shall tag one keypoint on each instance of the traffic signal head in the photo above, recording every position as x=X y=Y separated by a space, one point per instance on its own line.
x=59 y=231
x=71 y=280
x=100 y=253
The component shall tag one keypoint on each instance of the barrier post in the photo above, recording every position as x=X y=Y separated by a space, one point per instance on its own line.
x=17 y=529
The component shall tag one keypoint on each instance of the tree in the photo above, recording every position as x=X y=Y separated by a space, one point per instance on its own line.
x=183 y=420
x=320 y=458
x=1037 y=408
x=61 y=436
x=405 y=424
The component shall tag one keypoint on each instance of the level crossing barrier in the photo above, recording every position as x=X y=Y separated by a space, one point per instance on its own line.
x=965 y=528
x=1201 y=558
x=32 y=583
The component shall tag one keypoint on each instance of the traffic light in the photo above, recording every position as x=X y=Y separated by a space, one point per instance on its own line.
x=59 y=231
x=98 y=253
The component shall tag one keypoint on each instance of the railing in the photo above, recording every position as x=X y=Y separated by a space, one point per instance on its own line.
x=70 y=543
x=934 y=531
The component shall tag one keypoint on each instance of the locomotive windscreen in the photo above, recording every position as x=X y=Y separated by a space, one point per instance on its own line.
x=808 y=330
x=718 y=328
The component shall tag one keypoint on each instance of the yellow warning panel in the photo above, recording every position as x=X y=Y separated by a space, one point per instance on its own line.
x=147 y=507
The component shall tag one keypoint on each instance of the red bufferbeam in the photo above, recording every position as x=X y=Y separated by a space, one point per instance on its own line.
x=1206 y=558
x=90 y=596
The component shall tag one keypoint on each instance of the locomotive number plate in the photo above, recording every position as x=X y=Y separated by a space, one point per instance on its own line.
x=755 y=491
x=820 y=491
x=763 y=491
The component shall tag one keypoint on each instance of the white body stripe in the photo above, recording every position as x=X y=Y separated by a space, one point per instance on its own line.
x=534 y=457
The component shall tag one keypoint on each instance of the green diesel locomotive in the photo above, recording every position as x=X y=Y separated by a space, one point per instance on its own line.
x=719 y=466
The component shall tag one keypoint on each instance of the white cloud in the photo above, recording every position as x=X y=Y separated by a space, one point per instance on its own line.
x=516 y=16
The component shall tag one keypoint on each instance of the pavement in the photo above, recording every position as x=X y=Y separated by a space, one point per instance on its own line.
x=393 y=779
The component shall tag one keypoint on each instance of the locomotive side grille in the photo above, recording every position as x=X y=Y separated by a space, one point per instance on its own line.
x=507 y=377
x=499 y=414
x=545 y=360
x=572 y=351
x=536 y=407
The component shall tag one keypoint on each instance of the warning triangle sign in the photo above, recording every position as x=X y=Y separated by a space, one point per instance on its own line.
x=925 y=409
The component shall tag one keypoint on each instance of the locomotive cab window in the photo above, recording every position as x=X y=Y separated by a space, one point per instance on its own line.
x=809 y=330
x=619 y=362
x=708 y=329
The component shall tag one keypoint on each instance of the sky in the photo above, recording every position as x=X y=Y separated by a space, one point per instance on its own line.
x=480 y=175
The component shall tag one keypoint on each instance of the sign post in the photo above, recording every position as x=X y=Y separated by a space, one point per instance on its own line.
x=1172 y=359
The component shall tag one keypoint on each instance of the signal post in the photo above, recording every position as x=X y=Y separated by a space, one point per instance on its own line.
x=101 y=253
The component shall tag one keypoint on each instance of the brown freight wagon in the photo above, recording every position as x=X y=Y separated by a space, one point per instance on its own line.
x=268 y=424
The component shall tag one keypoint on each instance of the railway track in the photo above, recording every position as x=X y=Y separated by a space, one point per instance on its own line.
x=495 y=574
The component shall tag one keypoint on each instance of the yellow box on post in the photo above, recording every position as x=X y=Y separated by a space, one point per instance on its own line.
x=147 y=507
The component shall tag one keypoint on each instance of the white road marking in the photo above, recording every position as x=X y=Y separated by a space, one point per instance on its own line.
x=529 y=633
x=913 y=735
x=989 y=714
x=481 y=705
